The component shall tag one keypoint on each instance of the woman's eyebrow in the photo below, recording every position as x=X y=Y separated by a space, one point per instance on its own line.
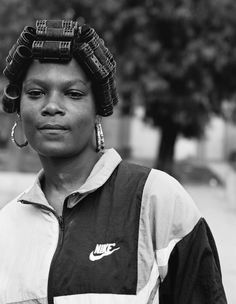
x=33 y=81
x=64 y=83
x=76 y=81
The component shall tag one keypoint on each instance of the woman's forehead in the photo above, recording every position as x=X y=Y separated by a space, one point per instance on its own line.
x=53 y=71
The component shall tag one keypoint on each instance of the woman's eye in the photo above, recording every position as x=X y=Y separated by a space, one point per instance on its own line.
x=35 y=93
x=75 y=94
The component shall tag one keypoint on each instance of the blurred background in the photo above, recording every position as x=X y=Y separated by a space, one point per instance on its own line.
x=176 y=75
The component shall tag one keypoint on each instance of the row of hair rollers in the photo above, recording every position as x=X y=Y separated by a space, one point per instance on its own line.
x=12 y=94
x=104 y=55
x=26 y=38
x=20 y=54
x=17 y=61
x=89 y=35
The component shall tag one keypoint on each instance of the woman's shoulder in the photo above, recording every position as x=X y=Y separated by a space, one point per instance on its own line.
x=132 y=168
x=157 y=181
x=159 y=188
x=11 y=206
x=164 y=185
x=166 y=199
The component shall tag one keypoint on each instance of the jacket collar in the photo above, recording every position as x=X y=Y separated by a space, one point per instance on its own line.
x=98 y=176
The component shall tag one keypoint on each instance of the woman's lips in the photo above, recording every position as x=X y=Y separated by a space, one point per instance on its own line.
x=53 y=129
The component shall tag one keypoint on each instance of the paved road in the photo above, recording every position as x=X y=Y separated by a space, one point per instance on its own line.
x=213 y=202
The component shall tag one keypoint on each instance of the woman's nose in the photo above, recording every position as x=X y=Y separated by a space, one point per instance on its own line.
x=53 y=105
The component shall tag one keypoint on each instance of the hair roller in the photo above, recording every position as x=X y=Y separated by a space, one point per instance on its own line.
x=57 y=24
x=86 y=33
x=11 y=98
x=30 y=30
x=26 y=38
x=19 y=63
x=105 y=110
x=106 y=51
x=11 y=53
x=46 y=33
x=52 y=50
x=94 y=43
x=112 y=88
x=102 y=51
x=103 y=98
x=89 y=35
x=86 y=54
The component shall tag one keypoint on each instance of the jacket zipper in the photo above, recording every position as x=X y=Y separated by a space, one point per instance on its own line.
x=55 y=256
x=58 y=248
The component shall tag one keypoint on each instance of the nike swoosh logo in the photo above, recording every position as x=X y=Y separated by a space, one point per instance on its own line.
x=95 y=256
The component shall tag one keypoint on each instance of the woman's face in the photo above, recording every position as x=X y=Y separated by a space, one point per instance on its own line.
x=57 y=109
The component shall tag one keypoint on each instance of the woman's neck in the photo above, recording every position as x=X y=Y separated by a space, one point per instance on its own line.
x=64 y=175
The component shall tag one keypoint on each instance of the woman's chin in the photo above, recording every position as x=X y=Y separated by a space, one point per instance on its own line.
x=57 y=150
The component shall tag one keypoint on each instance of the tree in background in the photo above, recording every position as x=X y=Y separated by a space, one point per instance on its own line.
x=191 y=71
x=178 y=55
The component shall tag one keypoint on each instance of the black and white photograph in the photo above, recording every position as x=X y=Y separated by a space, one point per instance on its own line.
x=117 y=152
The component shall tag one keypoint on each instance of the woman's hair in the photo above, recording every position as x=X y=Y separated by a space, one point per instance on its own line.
x=60 y=41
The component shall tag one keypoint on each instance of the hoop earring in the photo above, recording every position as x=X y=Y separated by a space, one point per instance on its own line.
x=13 y=135
x=100 y=143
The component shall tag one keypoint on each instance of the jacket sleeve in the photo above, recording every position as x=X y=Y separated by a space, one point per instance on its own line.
x=194 y=274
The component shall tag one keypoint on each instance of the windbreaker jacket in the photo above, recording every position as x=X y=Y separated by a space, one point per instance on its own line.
x=129 y=235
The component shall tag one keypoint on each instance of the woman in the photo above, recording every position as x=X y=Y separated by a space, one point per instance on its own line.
x=93 y=228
